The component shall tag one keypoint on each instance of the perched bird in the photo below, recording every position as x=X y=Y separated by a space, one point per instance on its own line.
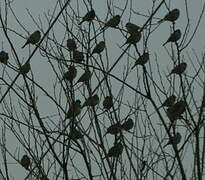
x=71 y=44
x=142 y=60
x=133 y=38
x=114 y=129
x=78 y=56
x=75 y=134
x=132 y=28
x=70 y=74
x=107 y=102
x=25 y=162
x=127 y=125
x=24 y=69
x=116 y=150
x=169 y=101
x=99 y=48
x=33 y=38
x=175 y=111
x=174 y=140
x=113 y=22
x=74 y=110
x=91 y=101
x=179 y=69
x=171 y=16
x=174 y=37
x=85 y=77
x=4 y=57
x=88 y=17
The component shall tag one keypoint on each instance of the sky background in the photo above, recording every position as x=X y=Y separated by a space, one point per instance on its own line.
x=114 y=39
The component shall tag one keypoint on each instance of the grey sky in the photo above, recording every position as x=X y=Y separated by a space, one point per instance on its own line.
x=40 y=66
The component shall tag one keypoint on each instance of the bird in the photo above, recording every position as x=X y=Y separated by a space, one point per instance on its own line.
x=179 y=69
x=78 y=56
x=174 y=37
x=71 y=44
x=91 y=101
x=132 y=28
x=75 y=134
x=127 y=125
x=169 y=101
x=107 y=102
x=115 y=150
x=133 y=38
x=85 y=77
x=171 y=16
x=74 y=110
x=99 y=48
x=113 y=22
x=33 y=38
x=142 y=60
x=176 y=110
x=174 y=140
x=114 y=129
x=25 y=162
x=88 y=17
x=4 y=57
x=24 y=69
x=70 y=74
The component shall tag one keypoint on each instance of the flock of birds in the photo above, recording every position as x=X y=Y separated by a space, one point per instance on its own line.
x=174 y=109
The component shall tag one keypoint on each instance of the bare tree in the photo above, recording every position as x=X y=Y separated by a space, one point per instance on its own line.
x=92 y=99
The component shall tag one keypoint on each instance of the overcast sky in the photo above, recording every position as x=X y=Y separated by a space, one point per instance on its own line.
x=39 y=65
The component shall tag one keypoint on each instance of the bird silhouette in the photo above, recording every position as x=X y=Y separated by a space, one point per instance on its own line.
x=127 y=125
x=179 y=69
x=4 y=57
x=171 y=16
x=71 y=45
x=116 y=150
x=176 y=110
x=33 y=38
x=132 y=28
x=113 y=22
x=24 y=69
x=74 y=110
x=169 y=101
x=91 y=101
x=107 y=102
x=88 y=17
x=142 y=60
x=114 y=129
x=70 y=74
x=85 y=77
x=78 y=56
x=99 y=48
x=133 y=38
x=174 y=140
x=75 y=134
x=174 y=37
x=25 y=162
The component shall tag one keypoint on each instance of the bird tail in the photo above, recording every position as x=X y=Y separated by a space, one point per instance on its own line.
x=133 y=66
x=166 y=145
x=164 y=43
x=24 y=45
x=160 y=21
x=80 y=22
